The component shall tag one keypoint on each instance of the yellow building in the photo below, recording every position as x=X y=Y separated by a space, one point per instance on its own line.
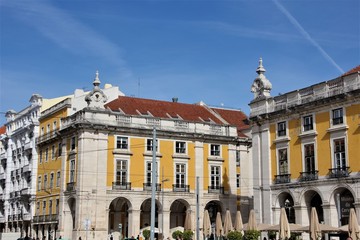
x=306 y=147
x=106 y=166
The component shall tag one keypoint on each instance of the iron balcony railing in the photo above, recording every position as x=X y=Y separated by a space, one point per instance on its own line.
x=121 y=185
x=282 y=178
x=216 y=189
x=309 y=176
x=339 y=172
x=181 y=188
x=147 y=187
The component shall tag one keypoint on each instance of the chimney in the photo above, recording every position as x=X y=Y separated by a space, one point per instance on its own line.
x=175 y=99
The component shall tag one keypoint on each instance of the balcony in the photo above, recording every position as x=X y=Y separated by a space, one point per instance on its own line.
x=46 y=137
x=283 y=178
x=70 y=186
x=216 y=189
x=39 y=218
x=2 y=219
x=309 y=176
x=121 y=185
x=51 y=218
x=181 y=188
x=339 y=172
x=147 y=187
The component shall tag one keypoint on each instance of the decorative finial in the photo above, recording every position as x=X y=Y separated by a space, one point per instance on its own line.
x=96 y=82
x=260 y=68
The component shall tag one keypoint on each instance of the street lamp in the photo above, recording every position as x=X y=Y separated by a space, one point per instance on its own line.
x=162 y=204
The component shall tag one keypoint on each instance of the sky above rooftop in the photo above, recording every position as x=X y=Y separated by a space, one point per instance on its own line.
x=195 y=50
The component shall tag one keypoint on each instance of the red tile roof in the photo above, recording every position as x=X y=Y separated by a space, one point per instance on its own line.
x=354 y=70
x=171 y=110
x=234 y=117
x=2 y=129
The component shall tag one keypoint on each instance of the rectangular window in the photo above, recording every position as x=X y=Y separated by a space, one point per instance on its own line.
x=337 y=116
x=215 y=150
x=42 y=131
x=73 y=143
x=215 y=177
x=149 y=145
x=46 y=154
x=308 y=123
x=180 y=175
x=48 y=129
x=339 y=153
x=148 y=172
x=54 y=125
x=121 y=171
x=309 y=158
x=50 y=207
x=237 y=158
x=45 y=181
x=39 y=183
x=281 y=129
x=59 y=149
x=51 y=180
x=121 y=142
x=238 y=180
x=57 y=206
x=40 y=156
x=58 y=179
x=180 y=147
x=44 y=208
x=72 y=171
x=53 y=152
x=37 y=208
x=283 y=161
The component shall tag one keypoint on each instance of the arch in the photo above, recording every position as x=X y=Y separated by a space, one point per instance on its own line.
x=119 y=214
x=145 y=213
x=286 y=200
x=343 y=198
x=213 y=208
x=312 y=198
x=178 y=210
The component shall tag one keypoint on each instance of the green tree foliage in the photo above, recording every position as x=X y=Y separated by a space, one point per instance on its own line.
x=146 y=233
x=234 y=235
x=252 y=235
x=177 y=234
x=188 y=235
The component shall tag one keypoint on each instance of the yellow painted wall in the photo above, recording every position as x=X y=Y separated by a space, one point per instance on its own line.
x=323 y=154
x=294 y=154
x=273 y=149
x=353 y=121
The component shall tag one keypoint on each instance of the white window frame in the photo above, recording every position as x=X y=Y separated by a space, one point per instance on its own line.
x=278 y=125
x=213 y=151
x=46 y=154
x=280 y=171
x=149 y=145
x=45 y=181
x=122 y=172
x=72 y=143
x=182 y=173
x=180 y=147
x=53 y=152
x=343 y=154
x=51 y=182
x=237 y=157
x=122 y=142
x=39 y=183
x=304 y=145
x=238 y=176
x=335 y=112
x=211 y=176
x=72 y=171
x=58 y=178
x=304 y=123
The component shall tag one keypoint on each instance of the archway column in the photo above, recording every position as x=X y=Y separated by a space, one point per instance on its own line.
x=331 y=216
x=276 y=215
x=166 y=224
x=134 y=222
x=302 y=215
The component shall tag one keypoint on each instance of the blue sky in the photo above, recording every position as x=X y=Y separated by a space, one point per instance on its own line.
x=195 y=50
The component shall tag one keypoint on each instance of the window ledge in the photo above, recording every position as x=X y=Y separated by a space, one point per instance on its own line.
x=311 y=133
x=282 y=139
x=122 y=152
x=72 y=152
x=340 y=127
x=183 y=156
x=149 y=154
x=215 y=158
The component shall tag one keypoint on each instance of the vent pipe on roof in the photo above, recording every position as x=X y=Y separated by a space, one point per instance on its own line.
x=175 y=99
